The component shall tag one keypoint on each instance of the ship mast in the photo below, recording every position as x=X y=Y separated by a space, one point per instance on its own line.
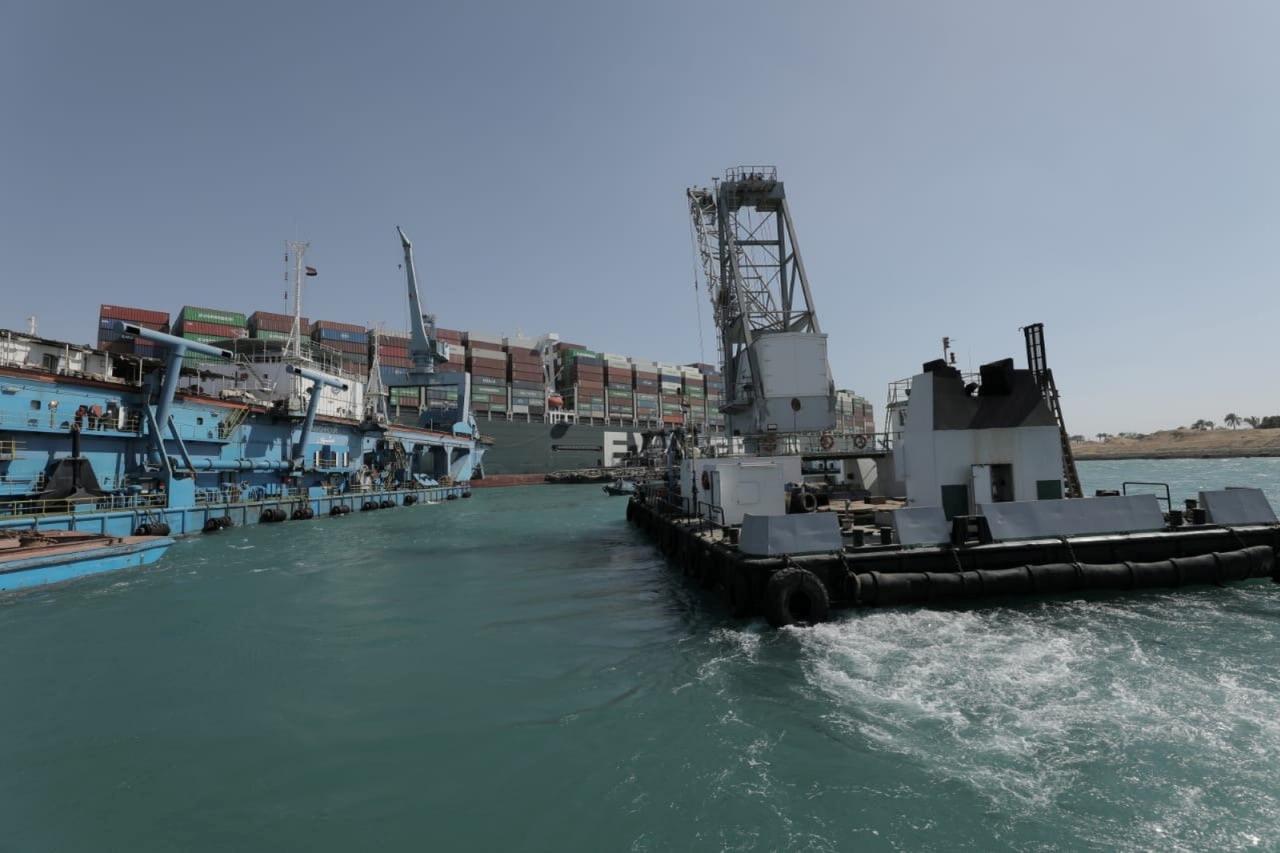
x=297 y=248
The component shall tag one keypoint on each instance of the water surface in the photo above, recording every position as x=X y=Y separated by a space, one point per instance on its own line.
x=522 y=671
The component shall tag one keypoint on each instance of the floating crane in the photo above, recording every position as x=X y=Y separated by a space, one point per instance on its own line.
x=772 y=350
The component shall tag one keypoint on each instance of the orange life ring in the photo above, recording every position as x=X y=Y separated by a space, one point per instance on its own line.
x=859 y=441
x=706 y=480
x=827 y=442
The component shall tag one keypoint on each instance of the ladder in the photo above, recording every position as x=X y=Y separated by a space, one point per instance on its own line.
x=1039 y=365
x=232 y=420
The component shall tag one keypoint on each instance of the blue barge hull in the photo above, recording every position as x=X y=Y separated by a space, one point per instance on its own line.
x=43 y=569
x=187 y=520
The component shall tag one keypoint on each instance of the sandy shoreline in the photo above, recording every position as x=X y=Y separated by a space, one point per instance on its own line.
x=1184 y=444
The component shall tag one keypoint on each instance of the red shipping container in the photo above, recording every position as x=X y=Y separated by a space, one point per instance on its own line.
x=222 y=331
x=339 y=327
x=135 y=315
x=272 y=322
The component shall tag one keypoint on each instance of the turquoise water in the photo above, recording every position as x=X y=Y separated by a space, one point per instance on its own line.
x=522 y=672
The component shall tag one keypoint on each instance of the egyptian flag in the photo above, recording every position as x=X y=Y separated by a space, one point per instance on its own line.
x=311 y=271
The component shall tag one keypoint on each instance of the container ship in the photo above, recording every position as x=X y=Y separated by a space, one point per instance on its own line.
x=214 y=420
x=542 y=404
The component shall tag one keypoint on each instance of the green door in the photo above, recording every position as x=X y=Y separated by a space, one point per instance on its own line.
x=955 y=500
x=1048 y=490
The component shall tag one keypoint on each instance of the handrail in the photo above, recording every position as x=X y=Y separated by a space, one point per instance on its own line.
x=1168 y=497
x=831 y=444
x=29 y=507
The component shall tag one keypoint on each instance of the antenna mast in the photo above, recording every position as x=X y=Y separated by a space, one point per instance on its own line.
x=298 y=249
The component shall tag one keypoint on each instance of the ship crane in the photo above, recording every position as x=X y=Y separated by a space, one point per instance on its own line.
x=424 y=351
x=772 y=350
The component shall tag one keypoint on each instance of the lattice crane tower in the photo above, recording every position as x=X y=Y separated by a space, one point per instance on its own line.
x=772 y=350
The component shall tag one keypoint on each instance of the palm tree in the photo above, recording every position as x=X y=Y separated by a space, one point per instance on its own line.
x=1253 y=421
x=1232 y=420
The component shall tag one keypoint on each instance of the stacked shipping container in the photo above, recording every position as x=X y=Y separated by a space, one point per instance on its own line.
x=349 y=341
x=524 y=371
x=508 y=374
x=854 y=413
x=487 y=363
x=265 y=325
x=112 y=341
x=209 y=326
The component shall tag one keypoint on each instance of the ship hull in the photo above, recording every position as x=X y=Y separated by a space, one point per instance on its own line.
x=521 y=448
x=25 y=573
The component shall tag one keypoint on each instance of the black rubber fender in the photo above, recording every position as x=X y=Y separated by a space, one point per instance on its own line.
x=796 y=596
x=802 y=502
x=224 y=522
x=298 y=515
x=160 y=528
x=387 y=504
x=410 y=500
x=335 y=510
x=368 y=506
x=451 y=497
x=738 y=593
x=466 y=495
x=211 y=525
x=143 y=529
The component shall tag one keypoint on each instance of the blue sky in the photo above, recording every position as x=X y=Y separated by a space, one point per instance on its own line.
x=954 y=169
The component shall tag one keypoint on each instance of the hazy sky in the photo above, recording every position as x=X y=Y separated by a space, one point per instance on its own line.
x=962 y=169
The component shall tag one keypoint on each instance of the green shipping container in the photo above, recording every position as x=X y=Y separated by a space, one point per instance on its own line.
x=213 y=315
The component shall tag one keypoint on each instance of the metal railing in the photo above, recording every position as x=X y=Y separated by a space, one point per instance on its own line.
x=27 y=507
x=58 y=420
x=249 y=493
x=1168 y=496
x=815 y=444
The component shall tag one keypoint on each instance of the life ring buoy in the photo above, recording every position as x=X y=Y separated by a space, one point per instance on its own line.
x=827 y=441
x=706 y=480
x=859 y=441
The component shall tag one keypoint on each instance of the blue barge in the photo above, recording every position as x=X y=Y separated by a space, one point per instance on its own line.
x=216 y=435
x=37 y=559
